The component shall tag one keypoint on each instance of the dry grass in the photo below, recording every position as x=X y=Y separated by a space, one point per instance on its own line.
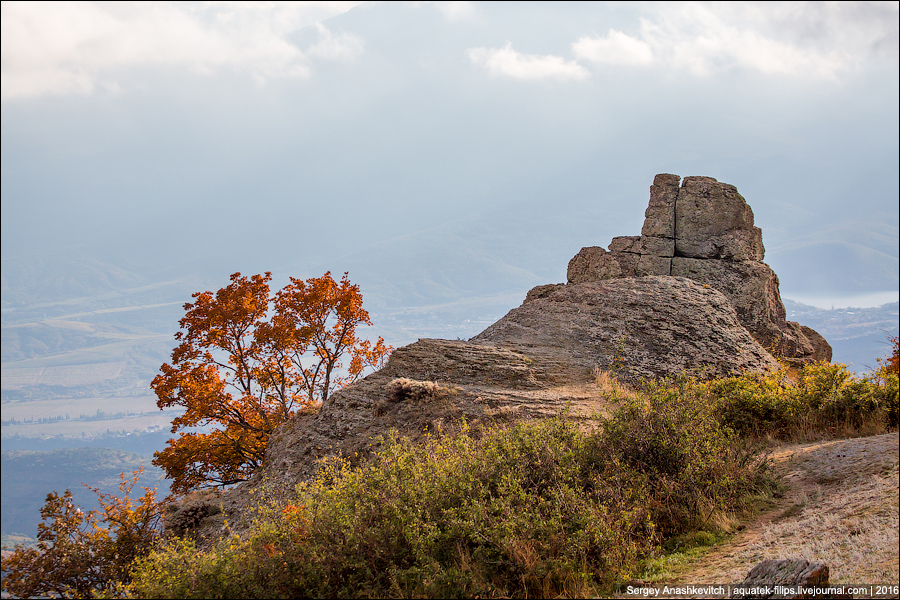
x=840 y=508
x=609 y=386
x=404 y=389
x=854 y=530
x=599 y=395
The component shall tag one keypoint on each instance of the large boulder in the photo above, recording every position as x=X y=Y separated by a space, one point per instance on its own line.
x=713 y=221
x=641 y=327
x=646 y=327
x=784 y=578
x=703 y=230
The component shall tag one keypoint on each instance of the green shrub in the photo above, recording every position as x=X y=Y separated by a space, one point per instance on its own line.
x=756 y=405
x=889 y=397
x=541 y=508
x=852 y=405
x=537 y=509
x=825 y=399
x=694 y=464
x=821 y=383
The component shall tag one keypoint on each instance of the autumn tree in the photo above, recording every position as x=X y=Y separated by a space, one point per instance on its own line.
x=891 y=363
x=247 y=361
x=82 y=554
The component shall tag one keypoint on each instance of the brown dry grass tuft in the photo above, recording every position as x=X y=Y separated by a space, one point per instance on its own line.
x=404 y=389
x=610 y=386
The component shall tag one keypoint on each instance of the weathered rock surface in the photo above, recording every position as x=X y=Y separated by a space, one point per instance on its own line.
x=477 y=381
x=782 y=579
x=713 y=221
x=622 y=311
x=648 y=326
x=704 y=230
x=653 y=326
x=481 y=383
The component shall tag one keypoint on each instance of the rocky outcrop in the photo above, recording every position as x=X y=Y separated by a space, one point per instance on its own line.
x=642 y=327
x=784 y=578
x=535 y=361
x=703 y=230
x=622 y=311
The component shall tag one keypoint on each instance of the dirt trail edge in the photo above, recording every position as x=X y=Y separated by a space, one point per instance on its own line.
x=840 y=508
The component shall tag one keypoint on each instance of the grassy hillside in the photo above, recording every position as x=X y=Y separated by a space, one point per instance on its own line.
x=558 y=506
x=542 y=508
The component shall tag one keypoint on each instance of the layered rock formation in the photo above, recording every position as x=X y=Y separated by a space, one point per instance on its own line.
x=535 y=361
x=641 y=327
x=703 y=230
x=622 y=311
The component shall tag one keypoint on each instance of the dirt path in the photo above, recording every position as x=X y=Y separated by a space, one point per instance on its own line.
x=841 y=508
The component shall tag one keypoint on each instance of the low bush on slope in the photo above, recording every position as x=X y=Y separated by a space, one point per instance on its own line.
x=825 y=399
x=542 y=508
x=538 y=509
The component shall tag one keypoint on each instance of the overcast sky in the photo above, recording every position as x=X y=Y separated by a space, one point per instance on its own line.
x=269 y=134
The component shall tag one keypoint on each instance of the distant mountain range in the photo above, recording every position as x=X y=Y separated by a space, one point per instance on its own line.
x=858 y=336
x=851 y=256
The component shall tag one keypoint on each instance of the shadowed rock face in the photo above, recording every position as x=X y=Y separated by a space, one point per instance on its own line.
x=703 y=230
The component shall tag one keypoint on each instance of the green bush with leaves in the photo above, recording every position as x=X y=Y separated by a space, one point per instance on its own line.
x=889 y=398
x=516 y=512
x=693 y=463
x=538 y=509
x=755 y=404
x=822 y=398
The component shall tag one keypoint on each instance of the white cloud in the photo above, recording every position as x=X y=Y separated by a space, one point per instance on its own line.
x=344 y=47
x=527 y=67
x=78 y=47
x=456 y=11
x=808 y=39
x=615 y=49
x=705 y=38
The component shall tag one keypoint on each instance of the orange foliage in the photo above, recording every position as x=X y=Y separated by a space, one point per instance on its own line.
x=245 y=373
x=78 y=554
x=891 y=363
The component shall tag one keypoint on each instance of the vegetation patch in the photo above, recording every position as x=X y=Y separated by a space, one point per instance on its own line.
x=404 y=389
x=539 y=508
x=823 y=399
